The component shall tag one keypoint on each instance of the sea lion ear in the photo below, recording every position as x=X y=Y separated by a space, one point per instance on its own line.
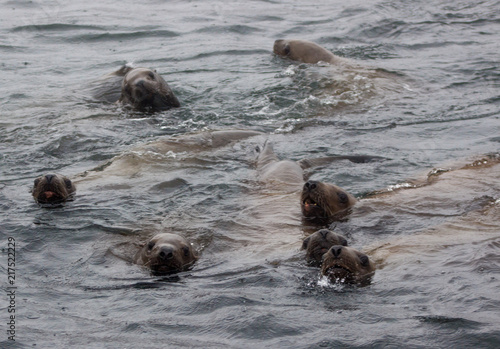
x=286 y=49
x=68 y=183
x=343 y=241
x=305 y=243
x=364 y=260
x=343 y=198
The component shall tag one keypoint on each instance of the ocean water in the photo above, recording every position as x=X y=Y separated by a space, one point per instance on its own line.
x=424 y=95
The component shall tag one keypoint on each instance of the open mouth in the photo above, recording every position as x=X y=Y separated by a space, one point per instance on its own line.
x=338 y=271
x=309 y=203
x=49 y=197
x=163 y=270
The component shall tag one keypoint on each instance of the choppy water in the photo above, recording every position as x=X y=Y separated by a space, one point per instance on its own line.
x=438 y=281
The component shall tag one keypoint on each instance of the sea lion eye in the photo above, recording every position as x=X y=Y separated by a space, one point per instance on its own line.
x=151 y=75
x=364 y=260
x=286 y=49
x=186 y=251
x=151 y=244
x=36 y=181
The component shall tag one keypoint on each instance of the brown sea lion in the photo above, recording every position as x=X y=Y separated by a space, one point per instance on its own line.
x=347 y=265
x=53 y=189
x=318 y=200
x=305 y=51
x=166 y=253
x=318 y=243
x=324 y=200
x=143 y=88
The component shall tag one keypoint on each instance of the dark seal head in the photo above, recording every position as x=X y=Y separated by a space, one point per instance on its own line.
x=347 y=265
x=303 y=51
x=323 y=200
x=166 y=253
x=53 y=189
x=317 y=244
x=144 y=89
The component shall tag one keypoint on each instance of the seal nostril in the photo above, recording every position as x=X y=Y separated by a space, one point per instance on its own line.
x=310 y=185
x=166 y=253
x=49 y=177
x=324 y=233
x=336 y=250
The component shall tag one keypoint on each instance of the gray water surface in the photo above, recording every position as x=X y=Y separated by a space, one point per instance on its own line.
x=251 y=287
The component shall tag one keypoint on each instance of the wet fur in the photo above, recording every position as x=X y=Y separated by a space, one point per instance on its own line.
x=347 y=265
x=182 y=254
x=324 y=200
x=318 y=243
x=52 y=189
x=143 y=89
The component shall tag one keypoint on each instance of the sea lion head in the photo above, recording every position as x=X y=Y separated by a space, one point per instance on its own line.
x=302 y=51
x=347 y=265
x=166 y=253
x=52 y=189
x=317 y=244
x=323 y=200
x=145 y=89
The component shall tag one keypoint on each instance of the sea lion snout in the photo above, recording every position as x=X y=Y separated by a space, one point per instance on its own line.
x=310 y=185
x=324 y=233
x=166 y=253
x=49 y=177
x=336 y=251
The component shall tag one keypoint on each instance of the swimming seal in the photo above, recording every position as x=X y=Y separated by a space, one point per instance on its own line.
x=166 y=253
x=143 y=88
x=347 y=265
x=324 y=200
x=318 y=200
x=305 y=52
x=318 y=243
x=53 y=189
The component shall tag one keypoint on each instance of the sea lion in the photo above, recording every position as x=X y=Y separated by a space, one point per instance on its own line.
x=324 y=200
x=166 y=253
x=143 y=88
x=347 y=265
x=150 y=158
x=108 y=88
x=318 y=243
x=305 y=51
x=53 y=189
x=272 y=169
x=318 y=200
